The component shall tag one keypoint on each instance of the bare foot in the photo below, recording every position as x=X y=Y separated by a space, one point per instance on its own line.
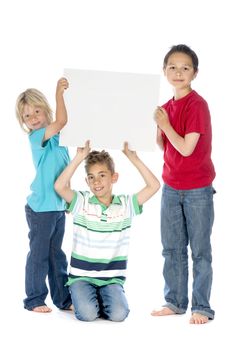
x=42 y=308
x=165 y=311
x=198 y=318
x=70 y=308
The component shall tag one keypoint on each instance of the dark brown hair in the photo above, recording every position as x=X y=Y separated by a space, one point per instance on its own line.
x=102 y=157
x=183 y=49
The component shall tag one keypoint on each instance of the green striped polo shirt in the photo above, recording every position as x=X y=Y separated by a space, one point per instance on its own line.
x=101 y=238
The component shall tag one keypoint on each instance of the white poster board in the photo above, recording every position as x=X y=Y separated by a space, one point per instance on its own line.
x=109 y=108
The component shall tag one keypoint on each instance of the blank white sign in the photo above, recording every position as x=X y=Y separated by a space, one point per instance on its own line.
x=109 y=108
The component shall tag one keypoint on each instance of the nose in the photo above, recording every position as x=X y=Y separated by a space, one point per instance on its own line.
x=96 y=180
x=178 y=71
x=32 y=117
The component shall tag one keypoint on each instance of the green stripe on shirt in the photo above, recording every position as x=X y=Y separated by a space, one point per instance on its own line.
x=104 y=261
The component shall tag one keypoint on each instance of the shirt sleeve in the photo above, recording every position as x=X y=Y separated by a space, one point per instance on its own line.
x=36 y=138
x=197 y=114
x=136 y=207
x=70 y=206
x=76 y=203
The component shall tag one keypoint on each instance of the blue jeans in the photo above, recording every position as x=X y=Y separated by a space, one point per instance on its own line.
x=91 y=301
x=187 y=218
x=46 y=259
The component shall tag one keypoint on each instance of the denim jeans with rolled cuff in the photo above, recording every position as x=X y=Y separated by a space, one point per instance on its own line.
x=46 y=259
x=186 y=219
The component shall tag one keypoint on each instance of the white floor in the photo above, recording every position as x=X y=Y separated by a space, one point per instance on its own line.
x=58 y=330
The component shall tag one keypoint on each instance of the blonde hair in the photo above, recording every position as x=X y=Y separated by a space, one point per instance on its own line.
x=33 y=98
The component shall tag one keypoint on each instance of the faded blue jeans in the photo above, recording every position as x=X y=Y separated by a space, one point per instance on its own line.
x=46 y=259
x=91 y=301
x=187 y=218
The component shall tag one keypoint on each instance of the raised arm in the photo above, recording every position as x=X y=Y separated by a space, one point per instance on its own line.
x=61 y=113
x=62 y=184
x=152 y=183
x=184 y=145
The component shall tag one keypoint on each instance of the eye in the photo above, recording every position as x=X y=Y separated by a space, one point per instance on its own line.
x=171 y=67
x=90 y=178
x=37 y=111
x=102 y=175
x=26 y=116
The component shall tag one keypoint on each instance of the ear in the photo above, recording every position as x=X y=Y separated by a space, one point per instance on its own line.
x=195 y=74
x=115 y=177
x=86 y=179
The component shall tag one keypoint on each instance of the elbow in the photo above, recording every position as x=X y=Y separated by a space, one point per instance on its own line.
x=160 y=144
x=62 y=123
x=186 y=153
x=156 y=187
x=57 y=187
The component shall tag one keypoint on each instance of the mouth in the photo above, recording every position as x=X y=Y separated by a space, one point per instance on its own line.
x=98 y=189
x=36 y=125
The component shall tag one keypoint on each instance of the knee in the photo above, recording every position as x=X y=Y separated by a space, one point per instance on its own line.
x=87 y=313
x=201 y=256
x=118 y=314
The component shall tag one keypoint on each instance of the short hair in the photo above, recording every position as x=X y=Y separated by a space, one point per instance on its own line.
x=183 y=49
x=102 y=157
x=33 y=98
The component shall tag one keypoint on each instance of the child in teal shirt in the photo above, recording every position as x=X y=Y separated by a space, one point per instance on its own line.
x=45 y=209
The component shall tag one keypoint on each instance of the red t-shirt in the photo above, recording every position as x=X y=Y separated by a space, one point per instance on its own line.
x=186 y=115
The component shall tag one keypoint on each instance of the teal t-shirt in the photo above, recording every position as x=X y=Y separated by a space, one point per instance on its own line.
x=49 y=160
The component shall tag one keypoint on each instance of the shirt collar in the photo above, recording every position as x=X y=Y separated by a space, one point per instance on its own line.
x=94 y=200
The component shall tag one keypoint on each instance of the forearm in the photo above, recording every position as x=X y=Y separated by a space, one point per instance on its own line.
x=184 y=145
x=163 y=125
x=175 y=139
x=63 y=181
x=61 y=112
x=159 y=139
x=151 y=181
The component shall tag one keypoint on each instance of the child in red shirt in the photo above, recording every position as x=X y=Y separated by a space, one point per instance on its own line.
x=187 y=212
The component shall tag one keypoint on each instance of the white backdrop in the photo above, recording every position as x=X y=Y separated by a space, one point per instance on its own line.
x=38 y=40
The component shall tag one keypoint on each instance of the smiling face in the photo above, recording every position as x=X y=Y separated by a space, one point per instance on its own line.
x=34 y=117
x=100 y=181
x=179 y=72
